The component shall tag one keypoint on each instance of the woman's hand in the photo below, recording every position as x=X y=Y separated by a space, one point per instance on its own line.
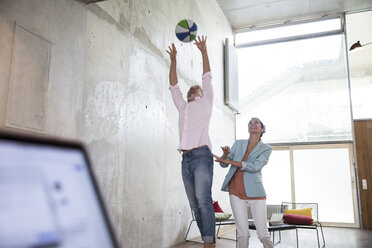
x=225 y=149
x=227 y=161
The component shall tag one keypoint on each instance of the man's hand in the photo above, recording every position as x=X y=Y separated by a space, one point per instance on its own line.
x=201 y=43
x=221 y=160
x=227 y=161
x=172 y=52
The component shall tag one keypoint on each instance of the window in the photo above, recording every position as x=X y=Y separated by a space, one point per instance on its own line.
x=277 y=177
x=294 y=30
x=359 y=26
x=299 y=89
x=314 y=173
x=322 y=175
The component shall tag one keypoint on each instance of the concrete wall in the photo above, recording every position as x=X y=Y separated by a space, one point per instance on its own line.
x=25 y=26
x=108 y=86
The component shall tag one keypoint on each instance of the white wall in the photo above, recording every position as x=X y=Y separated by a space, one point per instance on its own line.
x=108 y=86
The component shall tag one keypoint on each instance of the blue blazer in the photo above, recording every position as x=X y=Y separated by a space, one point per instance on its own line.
x=257 y=159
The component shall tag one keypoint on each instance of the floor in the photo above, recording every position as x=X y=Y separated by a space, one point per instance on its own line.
x=334 y=237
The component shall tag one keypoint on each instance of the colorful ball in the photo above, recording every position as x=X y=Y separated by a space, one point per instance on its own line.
x=186 y=30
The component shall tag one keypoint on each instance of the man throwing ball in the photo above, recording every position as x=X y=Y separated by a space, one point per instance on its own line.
x=195 y=145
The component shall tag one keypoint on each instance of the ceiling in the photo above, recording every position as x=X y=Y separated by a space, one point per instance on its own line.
x=250 y=13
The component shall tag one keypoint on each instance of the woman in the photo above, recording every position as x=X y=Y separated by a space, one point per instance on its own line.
x=244 y=182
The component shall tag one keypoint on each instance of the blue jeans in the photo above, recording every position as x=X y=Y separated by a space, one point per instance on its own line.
x=197 y=175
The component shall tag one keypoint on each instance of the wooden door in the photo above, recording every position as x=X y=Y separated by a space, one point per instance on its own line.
x=363 y=142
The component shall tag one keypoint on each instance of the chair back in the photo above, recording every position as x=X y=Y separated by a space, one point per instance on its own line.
x=295 y=205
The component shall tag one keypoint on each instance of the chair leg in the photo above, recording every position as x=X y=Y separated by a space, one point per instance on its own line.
x=296 y=237
x=236 y=238
x=221 y=237
x=218 y=230
x=321 y=229
x=280 y=238
x=317 y=236
x=188 y=230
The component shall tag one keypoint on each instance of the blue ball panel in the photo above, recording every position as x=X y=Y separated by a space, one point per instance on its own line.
x=193 y=27
x=182 y=36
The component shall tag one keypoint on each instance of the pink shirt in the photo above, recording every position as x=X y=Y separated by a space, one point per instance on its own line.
x=194 y=116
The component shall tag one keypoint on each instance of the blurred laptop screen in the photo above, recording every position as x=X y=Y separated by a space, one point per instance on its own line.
x=48 y=198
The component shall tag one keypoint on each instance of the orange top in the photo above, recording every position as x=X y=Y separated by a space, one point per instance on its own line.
x=236 y=187
x=236 y=184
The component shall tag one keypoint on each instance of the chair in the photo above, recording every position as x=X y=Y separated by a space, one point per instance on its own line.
x=314 y=213
x=218 y=223
x=271 y=209
x=188 y=229
x=224 y=223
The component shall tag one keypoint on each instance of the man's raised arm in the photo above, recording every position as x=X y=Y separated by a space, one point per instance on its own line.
x=173 y=80
x=202 y=45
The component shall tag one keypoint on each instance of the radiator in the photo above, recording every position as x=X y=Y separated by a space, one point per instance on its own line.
x=270 y=210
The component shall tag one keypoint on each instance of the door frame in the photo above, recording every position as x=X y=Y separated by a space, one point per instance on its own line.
x=362 y=173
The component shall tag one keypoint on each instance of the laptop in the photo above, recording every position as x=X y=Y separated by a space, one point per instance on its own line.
x=276 y=219
x=48 y=195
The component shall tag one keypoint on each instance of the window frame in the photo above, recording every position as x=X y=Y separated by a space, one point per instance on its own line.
x=341 y=16
x=291 y=147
